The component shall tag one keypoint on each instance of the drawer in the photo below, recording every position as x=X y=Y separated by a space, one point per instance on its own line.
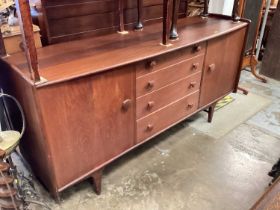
x=151 y=102
x=156 y=80
x=163 y=118
x=168 y=59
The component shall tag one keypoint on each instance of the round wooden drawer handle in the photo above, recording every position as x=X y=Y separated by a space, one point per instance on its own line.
x=195 y=66
x=126 y=104
x=212 y=67
x=197 y=48
x=150 y=105
x=150 y=127
x=150 y=84
x=152 y=64
x=192 y=84
x=190 y=106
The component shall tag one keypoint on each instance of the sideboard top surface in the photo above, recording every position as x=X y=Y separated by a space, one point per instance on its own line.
x=69 y=60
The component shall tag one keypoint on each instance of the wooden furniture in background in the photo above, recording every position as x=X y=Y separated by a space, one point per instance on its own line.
x=270 y=65
x=252 y=10
x=80 y=105
x=13 y=39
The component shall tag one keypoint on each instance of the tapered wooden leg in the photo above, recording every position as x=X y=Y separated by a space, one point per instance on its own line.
x=211 y=112
x=205 y=10
x=173 y=32
x=244 y=91
x=97 y=179
x=121 y=21
x=56 y=196
x=166 y=22
x=235 y=17
x=139 y=24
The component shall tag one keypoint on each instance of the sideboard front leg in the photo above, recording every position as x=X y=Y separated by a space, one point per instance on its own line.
x=97 y=180
x=211 y=112
x=56 y=196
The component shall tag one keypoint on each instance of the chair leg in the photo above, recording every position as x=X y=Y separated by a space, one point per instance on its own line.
x=254 y=63
x=244 y=91
x=97 y=179
x=211 y=112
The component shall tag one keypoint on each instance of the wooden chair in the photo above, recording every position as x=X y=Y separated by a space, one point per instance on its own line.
x=9 y=139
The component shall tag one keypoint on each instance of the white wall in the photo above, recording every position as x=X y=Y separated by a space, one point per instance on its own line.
x=221 y=6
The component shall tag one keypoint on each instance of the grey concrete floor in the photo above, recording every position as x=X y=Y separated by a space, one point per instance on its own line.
x=185 y=168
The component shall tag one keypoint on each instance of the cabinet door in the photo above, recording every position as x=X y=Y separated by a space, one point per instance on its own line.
x=88 y=121
x=221 y=67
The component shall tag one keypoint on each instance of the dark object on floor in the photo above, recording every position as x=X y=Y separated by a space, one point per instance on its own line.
x=271 y=64
x=270 y=199
x=275 y=172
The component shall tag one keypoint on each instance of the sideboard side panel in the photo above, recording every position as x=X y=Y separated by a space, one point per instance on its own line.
x=33 y=145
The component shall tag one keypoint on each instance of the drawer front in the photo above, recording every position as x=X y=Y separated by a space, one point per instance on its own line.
x=158 y=121
x=168 y=59
x=151 y=102
x=158 y=79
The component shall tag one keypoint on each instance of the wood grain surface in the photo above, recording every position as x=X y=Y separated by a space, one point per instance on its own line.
x=66 y=61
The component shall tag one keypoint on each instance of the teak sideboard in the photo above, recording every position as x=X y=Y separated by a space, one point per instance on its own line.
x=100 y=97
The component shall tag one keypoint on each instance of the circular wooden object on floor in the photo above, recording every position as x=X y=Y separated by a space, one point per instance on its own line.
x=4 y=167
x=6 y=193
x=6 y=180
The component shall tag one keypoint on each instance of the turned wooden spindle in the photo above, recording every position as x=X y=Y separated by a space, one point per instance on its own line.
x=206 y=7
x=139 y=24
x=25 y=21
x=166 y=22
x=235 y=16
x=173 y=32
x=120 y=12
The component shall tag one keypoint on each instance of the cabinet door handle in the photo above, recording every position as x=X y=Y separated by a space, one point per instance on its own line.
x=150 y=127
x=212 y=67
x=190 y=106
x=150 y=105
x=192 y=84
x=150 y=84
x=195 y=66
x=152 y=64
x=126 y=104
x=197 y=48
